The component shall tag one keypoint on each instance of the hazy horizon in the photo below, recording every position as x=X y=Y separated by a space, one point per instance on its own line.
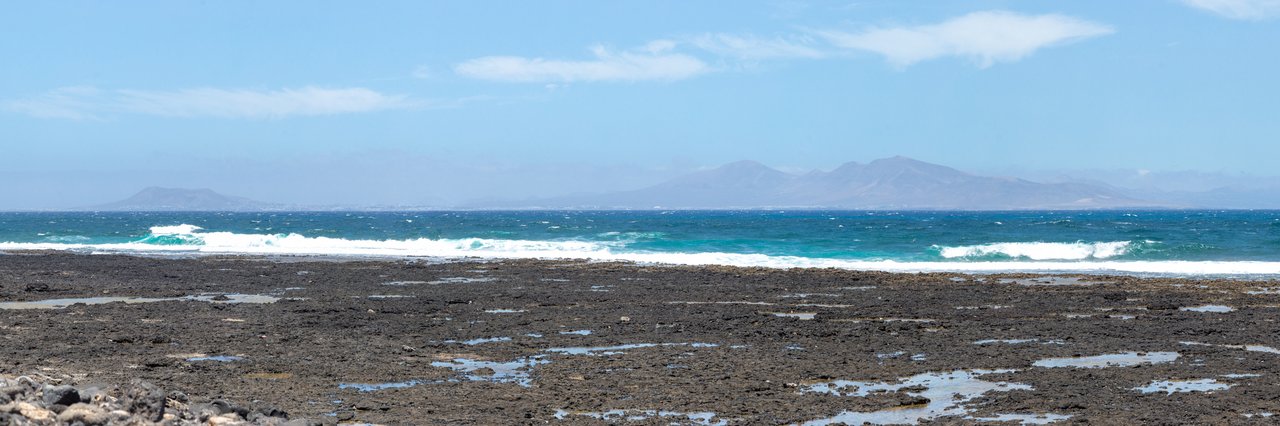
x=408 y=103
x=620 y=179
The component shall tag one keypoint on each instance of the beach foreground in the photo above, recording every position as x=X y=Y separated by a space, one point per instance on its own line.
x=510 y=342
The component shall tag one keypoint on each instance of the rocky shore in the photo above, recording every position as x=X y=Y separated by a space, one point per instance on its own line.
x=568 y=342
x=41 y=401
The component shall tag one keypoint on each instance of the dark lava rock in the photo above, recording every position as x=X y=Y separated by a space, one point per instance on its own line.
x=60 y=395
x=1116 y=296
x=140 y=403
x=158 y=362
x=146 y=400
x=37 y=287
x=1165 y=306
x=220 y=298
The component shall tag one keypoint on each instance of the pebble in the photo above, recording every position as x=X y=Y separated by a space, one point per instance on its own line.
x=26 y=401
x=60 y=395
x=84 y=413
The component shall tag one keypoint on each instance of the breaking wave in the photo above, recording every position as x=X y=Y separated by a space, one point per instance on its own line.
x=1040 y=251
x=999 y=257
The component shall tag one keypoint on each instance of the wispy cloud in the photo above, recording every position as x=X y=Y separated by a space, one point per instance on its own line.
x=1249 y=10
x=983 y=37
x=75 y=103
x=752 y=48
x=83 y=103
x=655 y=61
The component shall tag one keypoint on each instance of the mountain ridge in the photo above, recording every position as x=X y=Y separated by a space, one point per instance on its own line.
x=895 y=183
x=155 y=198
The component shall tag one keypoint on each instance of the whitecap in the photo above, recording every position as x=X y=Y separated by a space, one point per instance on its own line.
x=1040 y=250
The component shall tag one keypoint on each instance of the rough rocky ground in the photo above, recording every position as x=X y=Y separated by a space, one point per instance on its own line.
x=560 y=342
x=35 y=401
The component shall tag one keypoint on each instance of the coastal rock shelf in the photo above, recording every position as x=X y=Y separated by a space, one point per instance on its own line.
x=564 y=342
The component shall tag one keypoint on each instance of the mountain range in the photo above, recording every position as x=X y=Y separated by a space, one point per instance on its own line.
x=897 y=183
x=887 y=184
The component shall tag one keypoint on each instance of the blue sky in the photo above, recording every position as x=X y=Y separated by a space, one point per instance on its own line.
x=436 y=102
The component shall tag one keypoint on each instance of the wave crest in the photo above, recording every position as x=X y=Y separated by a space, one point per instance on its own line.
x=1039 y=250
x=1044 y=257
x=174 y=229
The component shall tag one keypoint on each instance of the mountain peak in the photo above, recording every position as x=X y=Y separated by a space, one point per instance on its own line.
x=744 y=165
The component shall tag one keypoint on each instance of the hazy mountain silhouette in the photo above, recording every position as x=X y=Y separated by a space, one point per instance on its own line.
x=181 y=199
x=890 y=183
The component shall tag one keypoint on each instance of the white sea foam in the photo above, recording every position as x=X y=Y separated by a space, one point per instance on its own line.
x=175 y=229
x=201 y=242
x=1040 y=251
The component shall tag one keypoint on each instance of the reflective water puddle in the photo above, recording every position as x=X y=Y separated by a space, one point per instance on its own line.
x=737 y=302
x=462 y=280
x=618 y=349
x=402 y=283
x=516 y=371
x=1025 y=419
x=390 y=296
x=807 y=295
x=1219 y=309
x=858 y=320
x=504 y=311
x=480 y=341
x=1052 y=281
x=611 y=416
x=1019 y=341
x=946 y=393
x=803 y=316
x=216 y=358
x=1127 y=359
x=1241 y=376
x=213 y=298
x=577 y=332
x=1172 y=386
x=371 y=387
x=1250 y=348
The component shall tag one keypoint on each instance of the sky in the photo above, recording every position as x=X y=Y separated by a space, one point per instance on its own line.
x=434 y=103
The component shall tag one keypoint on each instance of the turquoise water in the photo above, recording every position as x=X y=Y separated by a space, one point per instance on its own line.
x=1172 y=242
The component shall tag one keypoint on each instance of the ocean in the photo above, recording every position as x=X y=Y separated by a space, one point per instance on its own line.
x=1157 y=243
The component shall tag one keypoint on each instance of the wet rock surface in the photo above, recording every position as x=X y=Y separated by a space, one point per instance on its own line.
x=684 y=345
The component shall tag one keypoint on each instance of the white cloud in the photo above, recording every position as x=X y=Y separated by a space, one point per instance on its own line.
x=75 y=103
x=1251 y=10
x=754 y=48
x=91 y=103
x=654 y=61
x=984 y=37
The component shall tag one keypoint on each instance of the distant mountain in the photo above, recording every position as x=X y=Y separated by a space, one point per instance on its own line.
x=890 y=183
x=180 y=199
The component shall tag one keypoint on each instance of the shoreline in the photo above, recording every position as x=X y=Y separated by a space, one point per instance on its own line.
x=976 y=268
x=561 y=341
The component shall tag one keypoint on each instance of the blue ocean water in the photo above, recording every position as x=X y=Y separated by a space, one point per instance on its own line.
x=1138 y=242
